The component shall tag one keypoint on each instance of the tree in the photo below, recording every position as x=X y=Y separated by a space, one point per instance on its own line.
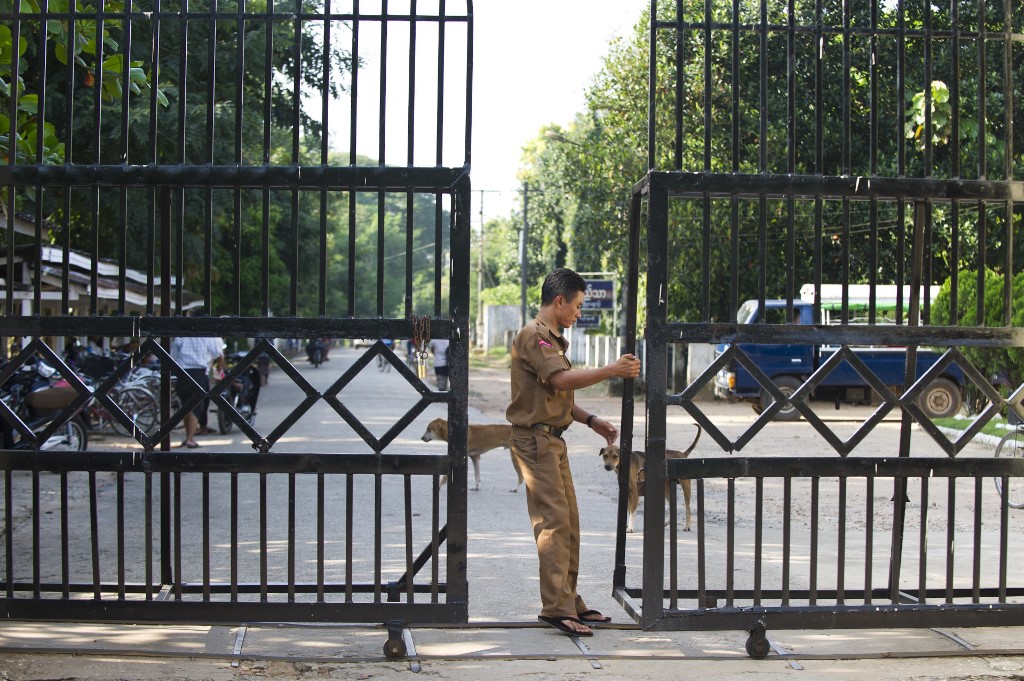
x=32 y=136
x=255 y=118
x=989 y=360
x=591 y=175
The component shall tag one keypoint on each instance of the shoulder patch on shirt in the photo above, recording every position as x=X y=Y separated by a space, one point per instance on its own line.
x=544 y=344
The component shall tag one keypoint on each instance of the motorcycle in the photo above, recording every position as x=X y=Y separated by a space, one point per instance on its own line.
x=241 y=394
x=36 y=398
x=315 y=352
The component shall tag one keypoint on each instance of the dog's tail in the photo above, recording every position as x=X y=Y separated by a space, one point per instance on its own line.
x=695 y=440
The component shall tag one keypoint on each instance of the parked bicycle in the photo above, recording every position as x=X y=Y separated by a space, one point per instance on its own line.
x=139 y=404
x=1011 y=447
x=136 y=394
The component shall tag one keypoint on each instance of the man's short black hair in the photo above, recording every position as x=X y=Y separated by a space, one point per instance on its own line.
x=561 y=282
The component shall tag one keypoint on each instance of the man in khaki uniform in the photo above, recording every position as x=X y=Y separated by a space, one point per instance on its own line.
x=542 y=408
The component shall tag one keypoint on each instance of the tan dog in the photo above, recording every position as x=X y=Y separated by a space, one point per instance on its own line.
x=637 y=461
x=479 y=439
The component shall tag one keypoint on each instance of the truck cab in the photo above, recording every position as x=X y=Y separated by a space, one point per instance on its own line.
x=790 y=365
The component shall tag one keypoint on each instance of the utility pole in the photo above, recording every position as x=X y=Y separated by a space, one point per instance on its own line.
x=480 y=271
x=522 y=255
x=480 y=275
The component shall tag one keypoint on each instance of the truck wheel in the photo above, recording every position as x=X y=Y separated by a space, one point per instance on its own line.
x=940 y=399
x=787 y=385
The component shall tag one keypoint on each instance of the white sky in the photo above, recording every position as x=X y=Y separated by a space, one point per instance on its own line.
x=534 y=60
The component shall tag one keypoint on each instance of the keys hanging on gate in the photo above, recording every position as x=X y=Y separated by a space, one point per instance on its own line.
x=420 y=340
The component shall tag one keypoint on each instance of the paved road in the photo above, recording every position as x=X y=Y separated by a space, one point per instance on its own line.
x=502 y=558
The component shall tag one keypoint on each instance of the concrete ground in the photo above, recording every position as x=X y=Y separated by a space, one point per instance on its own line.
x=40 y=651
x=503 y=639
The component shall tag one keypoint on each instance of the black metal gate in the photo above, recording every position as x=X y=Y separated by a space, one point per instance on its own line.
x=299 y=170
x=828 y=143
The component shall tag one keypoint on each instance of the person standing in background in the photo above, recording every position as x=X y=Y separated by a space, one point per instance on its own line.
x=195 y=355
x=439 y=349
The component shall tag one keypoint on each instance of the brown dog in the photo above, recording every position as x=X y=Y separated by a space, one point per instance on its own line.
x=479 y=439
x=637 y=461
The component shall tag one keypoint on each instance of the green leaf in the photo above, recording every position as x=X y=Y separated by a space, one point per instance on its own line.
x=137 y=74
x=111 y=88
x=29 y=103
x=113 y=63
x=86 y=39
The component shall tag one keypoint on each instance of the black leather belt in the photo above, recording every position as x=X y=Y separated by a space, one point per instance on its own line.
x=557 y=432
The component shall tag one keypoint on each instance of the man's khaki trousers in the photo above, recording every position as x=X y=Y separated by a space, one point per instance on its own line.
x=551 y=501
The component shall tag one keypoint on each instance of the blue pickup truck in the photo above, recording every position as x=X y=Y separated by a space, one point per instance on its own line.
x=789 y=366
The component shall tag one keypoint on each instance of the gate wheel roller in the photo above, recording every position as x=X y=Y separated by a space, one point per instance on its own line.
x=394 y=647
x=757 y=644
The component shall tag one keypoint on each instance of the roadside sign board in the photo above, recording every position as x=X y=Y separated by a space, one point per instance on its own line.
x=600 y=295
x=588 y=322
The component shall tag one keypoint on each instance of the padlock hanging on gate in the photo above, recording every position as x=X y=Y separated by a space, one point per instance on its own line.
x=420 y=339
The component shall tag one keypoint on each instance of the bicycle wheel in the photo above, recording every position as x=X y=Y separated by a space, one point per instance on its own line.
x=1011 y=447
x=141 y=406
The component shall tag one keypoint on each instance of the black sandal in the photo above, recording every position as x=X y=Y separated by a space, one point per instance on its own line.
x=592 y=617
x=560 y=624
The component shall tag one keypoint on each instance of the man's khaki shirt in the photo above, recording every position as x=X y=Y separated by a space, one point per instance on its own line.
x=538 y=352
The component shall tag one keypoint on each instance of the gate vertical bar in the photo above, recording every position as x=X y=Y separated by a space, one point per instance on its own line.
x=626 y=433
x=900 y=497
x=165 y=383
x=656 y=365
x=458 y=401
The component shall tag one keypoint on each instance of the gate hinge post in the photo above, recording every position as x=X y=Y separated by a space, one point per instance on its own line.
x=757 y=644
x=394 y=647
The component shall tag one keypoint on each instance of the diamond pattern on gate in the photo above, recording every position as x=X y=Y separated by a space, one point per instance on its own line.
x=798 y=399
x=378 y=349
x=723 y=361
x=330 y=396
x=889 y=400
x=953 y=357
x=217 y=394
x=907 y=401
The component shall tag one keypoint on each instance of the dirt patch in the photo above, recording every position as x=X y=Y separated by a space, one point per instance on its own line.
x=490 y=386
